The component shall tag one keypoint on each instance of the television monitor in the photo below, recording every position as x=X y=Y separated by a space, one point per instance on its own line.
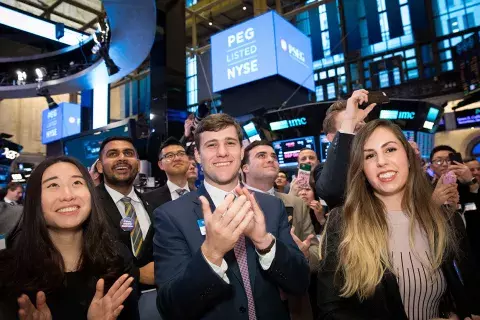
x=425 y=142
x=324 y=145
x=431 y=119
x=287 y=150
x=251 y=132
x=409 y=135
x=86 y=148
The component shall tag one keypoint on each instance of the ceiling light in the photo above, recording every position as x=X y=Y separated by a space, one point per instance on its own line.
x=244 y=8
x=21 y=77
x=41 y=73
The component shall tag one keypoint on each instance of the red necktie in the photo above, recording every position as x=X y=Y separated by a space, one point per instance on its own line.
x=241 y=254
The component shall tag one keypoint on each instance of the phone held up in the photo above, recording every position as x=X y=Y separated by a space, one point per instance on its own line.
x=378 y=97
x=303 y=177
x=457 y=157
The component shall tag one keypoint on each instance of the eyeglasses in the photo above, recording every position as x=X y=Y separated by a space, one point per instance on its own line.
x=440 y=161
x=170 y=156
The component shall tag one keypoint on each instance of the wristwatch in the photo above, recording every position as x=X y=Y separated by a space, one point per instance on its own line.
x=267 y=249
x=472 y=182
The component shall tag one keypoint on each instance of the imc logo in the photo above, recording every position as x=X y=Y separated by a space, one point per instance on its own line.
x=292 y=50
x=297 y=122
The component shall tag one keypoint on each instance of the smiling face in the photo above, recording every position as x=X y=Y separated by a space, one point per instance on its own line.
x=308 y=157
x=262 y=165
x=176 y=166
x=220 y=154
x=66 y=200
x=385 y=164
x=118 y=163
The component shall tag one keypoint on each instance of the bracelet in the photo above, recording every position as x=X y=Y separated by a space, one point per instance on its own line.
x=269 y=248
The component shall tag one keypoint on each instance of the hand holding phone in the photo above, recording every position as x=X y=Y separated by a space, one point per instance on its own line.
x=303 y=177
x=455 y=157
x=449 y=178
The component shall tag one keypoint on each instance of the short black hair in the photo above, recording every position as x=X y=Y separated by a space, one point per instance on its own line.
x=12 y=186
x=284 y=172
x=254 y=144
x=441 y=148
x=171 y=141
x=115 y=138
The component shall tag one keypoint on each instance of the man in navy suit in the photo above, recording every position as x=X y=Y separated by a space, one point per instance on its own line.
x=221 y=252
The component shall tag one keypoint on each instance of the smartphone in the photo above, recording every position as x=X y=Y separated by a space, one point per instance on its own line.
x=449 y=178
x=378 y=97
x=303 y=176
x=455 y=157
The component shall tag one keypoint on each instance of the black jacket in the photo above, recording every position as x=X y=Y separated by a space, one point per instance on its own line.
x=331 y=176
x=158 y=196
x=386 y=302
x=113 y=217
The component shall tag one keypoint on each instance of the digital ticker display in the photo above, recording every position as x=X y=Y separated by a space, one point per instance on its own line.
x=258 y=48
x=287 y=150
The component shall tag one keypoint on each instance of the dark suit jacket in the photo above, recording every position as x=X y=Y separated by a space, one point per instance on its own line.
x=331 y=176
x=190 y=289
x=113 y=217
x=386 y=303
x=158 y=196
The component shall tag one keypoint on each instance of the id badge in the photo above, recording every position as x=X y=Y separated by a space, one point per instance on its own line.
x=201 y=226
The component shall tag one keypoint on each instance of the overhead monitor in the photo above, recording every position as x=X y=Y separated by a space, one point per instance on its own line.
x=86 y=148
x=60 y=122
x=287 y=150
x=251 y=132
x=258 y=48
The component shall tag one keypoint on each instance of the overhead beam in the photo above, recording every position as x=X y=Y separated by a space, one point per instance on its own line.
x=197 y=15
x=83 y=7
x=61 y=15
x=50 y=9
x=206 y=7
x=90 y=24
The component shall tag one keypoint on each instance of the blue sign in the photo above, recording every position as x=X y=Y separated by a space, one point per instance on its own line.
x=261 y=47
x=60 y=122
x=285 y=124
x=397 y=115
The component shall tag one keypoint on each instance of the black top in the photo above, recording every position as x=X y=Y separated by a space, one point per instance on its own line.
x=72 y=300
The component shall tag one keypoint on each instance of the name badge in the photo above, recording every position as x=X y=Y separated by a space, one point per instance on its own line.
x=201 y=226
x=470 y=206
x=126 y=224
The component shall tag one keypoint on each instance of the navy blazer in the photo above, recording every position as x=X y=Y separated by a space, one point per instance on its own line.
x=190 y=289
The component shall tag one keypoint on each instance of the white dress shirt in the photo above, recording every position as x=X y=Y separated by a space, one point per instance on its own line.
x=173 y=189
x=270 y=192
x=266 y=260
x=140 y=211
x=11 y=202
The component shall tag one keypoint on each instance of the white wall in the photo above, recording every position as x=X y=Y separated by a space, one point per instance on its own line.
x=457 y=139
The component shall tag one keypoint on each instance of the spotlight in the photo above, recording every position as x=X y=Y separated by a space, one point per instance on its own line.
x=210 y=20
x=21 y=77
x=43 y=92
x=41 y=73
x=102 y=44
x=244 y=8
x=210 y=23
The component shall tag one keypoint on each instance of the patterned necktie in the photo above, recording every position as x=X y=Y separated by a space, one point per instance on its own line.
x=240 y=250
x=181 y=192
x=136 y=234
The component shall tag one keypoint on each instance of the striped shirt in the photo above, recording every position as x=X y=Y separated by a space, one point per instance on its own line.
x=421 y=288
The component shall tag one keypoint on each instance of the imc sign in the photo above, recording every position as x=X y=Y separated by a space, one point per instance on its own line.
x=261 y=47
x=60 y=122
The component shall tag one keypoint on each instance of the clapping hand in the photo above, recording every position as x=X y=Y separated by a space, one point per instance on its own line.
x=109 y=306
x=28 y=311
x=225 y=225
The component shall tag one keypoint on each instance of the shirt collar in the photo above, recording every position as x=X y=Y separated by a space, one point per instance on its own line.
x=217 y=195
x=117 y=196
x=9 y=201
x=173 y=187
x=270 y=192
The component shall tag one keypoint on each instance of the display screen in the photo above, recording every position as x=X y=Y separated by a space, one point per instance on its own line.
x=294 y=53
x=60 y=122
x=425 y=142
x=86 y=148
x=251 y=132
x=287 y=150
x=324 y=145
x=466 y=57
x=431 y=117
x=409 y=135
x=261 y=47
x=243 y=53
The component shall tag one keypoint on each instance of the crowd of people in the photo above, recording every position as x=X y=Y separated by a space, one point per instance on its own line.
x=372 y=236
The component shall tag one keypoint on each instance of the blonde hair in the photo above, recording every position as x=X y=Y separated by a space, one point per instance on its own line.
x=363 y=251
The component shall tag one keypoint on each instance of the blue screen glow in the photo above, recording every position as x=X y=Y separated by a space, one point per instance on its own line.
x=261 y=47
x=60 y=122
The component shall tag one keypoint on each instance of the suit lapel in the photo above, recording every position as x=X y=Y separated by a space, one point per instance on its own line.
x=230 y=256
x=110 y=207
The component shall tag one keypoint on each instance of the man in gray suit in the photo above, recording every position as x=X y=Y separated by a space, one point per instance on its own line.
x=260 y=168
x=9 y=217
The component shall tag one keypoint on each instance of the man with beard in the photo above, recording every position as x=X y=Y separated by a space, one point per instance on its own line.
x=173 y=160
x=129 y=215
x=222 y=252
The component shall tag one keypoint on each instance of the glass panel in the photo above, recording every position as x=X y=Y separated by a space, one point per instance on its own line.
x=319 y=93
x=331 y=73
x=341 y=70
x=383 y=78
x=331 y=91
x=413 y=74
x=410 y=53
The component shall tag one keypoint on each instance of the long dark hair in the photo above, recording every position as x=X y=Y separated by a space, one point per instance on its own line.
x=33 y=263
